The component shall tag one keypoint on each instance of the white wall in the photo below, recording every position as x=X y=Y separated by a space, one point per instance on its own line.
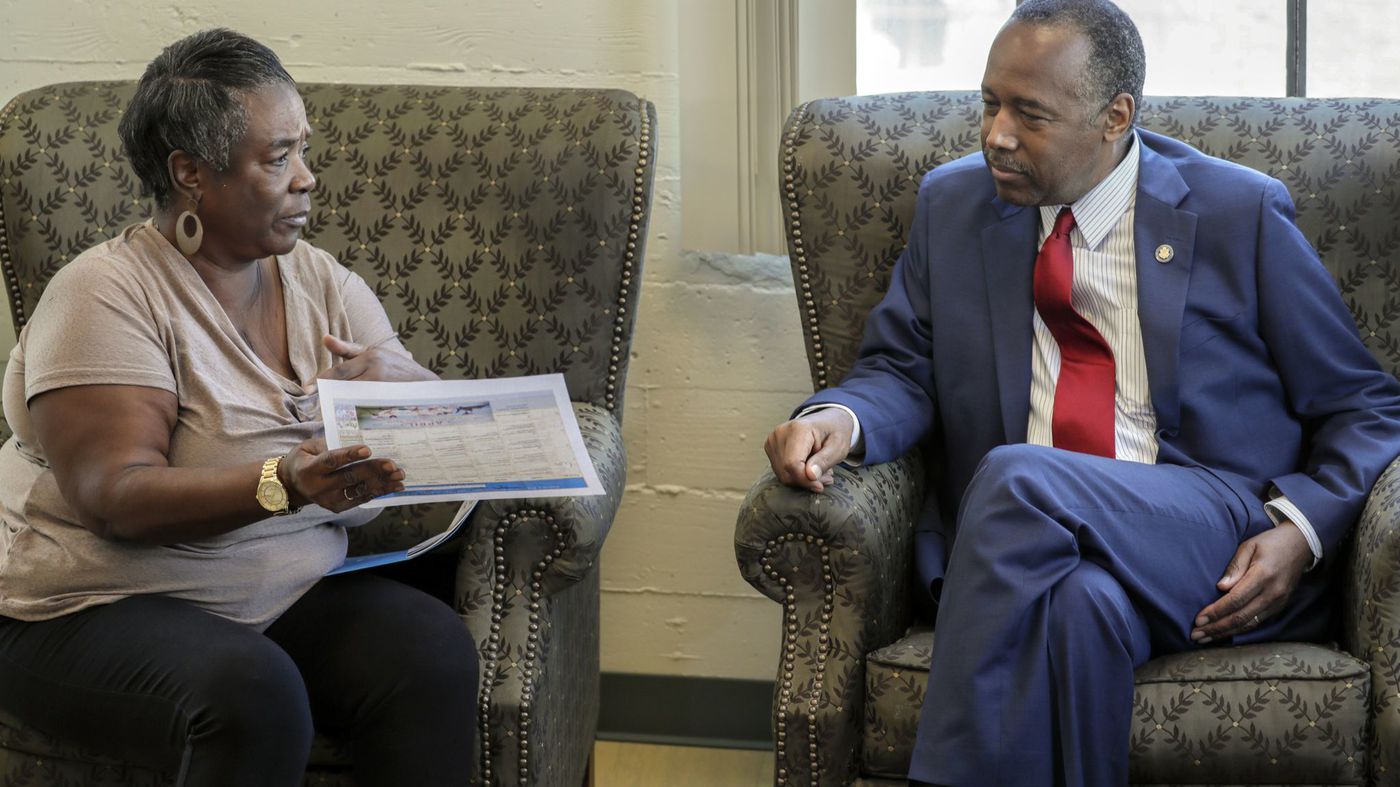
x=718 y=358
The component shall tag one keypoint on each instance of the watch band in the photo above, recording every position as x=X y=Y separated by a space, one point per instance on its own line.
x=269 y=470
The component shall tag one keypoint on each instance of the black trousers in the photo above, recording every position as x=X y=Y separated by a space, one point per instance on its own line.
x=157 y=682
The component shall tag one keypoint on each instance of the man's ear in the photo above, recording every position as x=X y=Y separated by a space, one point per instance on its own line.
x=1118 y=117
x=184 y=175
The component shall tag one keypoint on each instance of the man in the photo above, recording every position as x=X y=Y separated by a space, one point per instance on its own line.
x=1152 y=417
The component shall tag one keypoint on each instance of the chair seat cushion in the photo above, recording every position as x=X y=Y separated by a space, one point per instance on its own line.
x=1276 y=713
x=895 y=678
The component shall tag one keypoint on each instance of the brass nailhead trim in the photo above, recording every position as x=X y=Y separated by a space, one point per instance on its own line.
x=789 y=656
x=492 y=655
x=12 y=287
x=799 y=256
x=645 y=161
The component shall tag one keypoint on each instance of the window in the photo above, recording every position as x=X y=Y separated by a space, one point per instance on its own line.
x=1194 y=47
x=906 y=45
x=1212 y=48
x=1351 y=48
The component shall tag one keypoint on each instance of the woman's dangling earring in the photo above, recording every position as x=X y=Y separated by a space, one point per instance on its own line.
x=189 y=240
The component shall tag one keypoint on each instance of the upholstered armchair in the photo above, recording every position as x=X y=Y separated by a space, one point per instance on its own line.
x=503 y=228
x=853 y=666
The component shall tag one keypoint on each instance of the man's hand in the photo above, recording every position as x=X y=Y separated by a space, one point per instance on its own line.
x=1257 y=583
x=359 y=362
x=803 y=450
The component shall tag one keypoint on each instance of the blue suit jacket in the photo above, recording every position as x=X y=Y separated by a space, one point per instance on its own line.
x=1255 y=366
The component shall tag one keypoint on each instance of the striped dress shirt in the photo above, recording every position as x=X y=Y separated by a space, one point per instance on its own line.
x=1104 y=293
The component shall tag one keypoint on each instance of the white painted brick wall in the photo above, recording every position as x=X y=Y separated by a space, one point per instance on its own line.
x=718 y=358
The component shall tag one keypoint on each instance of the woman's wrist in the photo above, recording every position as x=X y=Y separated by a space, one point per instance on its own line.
x=295 y=499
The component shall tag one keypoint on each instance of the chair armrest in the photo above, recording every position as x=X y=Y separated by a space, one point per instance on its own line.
x=839 y=563
x=1372 y=619
x=527 y=587
x=546 y=544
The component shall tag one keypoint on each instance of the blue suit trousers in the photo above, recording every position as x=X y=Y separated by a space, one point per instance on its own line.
x=1068 y=571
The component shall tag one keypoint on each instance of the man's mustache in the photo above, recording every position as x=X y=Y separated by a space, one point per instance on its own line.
x=1004 y=163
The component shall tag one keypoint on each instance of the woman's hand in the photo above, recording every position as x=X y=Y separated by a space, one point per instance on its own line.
x=336 y=479
x=376 y=362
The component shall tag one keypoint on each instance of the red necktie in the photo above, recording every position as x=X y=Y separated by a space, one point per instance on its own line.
x=1083 y=416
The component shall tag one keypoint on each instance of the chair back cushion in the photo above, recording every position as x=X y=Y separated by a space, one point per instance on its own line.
x=852 y=167
x=502 y=228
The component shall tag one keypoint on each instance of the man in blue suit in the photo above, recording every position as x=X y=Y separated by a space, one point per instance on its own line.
x=1152 y=418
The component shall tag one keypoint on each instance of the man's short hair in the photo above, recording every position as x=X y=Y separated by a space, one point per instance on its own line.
x=1117 y=63
x=190 y=99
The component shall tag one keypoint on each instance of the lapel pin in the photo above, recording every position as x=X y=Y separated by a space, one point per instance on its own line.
x=1165 y=253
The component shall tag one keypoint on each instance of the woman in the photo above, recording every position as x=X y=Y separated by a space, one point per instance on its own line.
x=170 y=509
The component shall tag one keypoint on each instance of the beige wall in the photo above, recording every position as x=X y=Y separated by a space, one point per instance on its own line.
x=718 y=358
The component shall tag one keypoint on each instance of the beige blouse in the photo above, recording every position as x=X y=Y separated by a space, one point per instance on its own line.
x=133 y=311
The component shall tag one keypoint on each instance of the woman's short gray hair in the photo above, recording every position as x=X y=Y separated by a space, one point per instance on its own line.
x=190 y=99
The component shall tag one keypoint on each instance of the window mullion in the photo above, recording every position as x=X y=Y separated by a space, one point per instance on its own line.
x=1296 y=50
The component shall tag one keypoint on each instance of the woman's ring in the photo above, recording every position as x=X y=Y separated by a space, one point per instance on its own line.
x=351 y=498
x=1254 y=623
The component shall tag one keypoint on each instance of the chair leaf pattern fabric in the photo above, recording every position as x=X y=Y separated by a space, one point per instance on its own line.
x=1242 y=691
x=527 y=586
x=839 y=562
x=1371 y=624
x=896 y=677
x=504 y=230
x=1284 y=713
x=1276 y=713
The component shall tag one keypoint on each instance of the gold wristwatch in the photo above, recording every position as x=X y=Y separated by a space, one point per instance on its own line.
x=271 y=494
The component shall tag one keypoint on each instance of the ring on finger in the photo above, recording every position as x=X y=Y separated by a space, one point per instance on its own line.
x=1254 y=622
x=346 y=492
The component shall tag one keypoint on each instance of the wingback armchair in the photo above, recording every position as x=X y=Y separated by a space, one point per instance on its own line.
x=503 y=229
x=853 y=667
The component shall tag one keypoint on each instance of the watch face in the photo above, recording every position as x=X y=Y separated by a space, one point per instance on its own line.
x=272 y=496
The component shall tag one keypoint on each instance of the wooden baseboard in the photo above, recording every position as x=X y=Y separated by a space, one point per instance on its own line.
x=684 y=711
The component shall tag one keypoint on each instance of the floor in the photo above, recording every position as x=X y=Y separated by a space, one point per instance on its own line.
x=647 y=765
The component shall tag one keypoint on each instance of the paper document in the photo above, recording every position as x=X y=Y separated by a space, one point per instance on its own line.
x=385 y=558
x=461 y=439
